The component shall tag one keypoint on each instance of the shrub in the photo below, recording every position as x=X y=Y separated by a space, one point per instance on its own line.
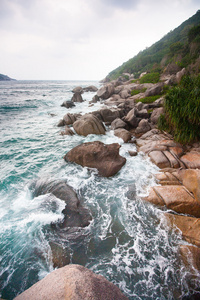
x=135 y=92
x=182 y=104
x=150 y=78
x=149 y=99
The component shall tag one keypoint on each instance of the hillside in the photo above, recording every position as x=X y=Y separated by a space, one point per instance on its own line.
x=5 y=78
x=179 y=48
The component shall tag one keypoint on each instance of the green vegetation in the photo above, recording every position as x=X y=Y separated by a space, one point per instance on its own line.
x=135 y=92
x=150 y=78
x=149 y=99
x=179 y=47
x=182 y=106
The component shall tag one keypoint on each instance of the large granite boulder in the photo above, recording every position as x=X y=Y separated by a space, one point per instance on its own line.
x=73 y=282
x=78 y=89
x=156 y=114
x=105 y=91
x=77 y=97
x=89 y=124
x=105 y=158
x=75 y=214
x=174 y=197
x=189 y=226
x=143 y=127
x=124 y=134
x=109 y=115
x=191 y=180
x=118 y=123
x=131 y=118
x=90 y=88
x=69 y=119
x=155 y=90
x=191 y=160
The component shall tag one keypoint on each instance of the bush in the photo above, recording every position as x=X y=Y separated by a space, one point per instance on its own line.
x=150 y=78
x=135 y=92
x=182 y=105
x=149 y=99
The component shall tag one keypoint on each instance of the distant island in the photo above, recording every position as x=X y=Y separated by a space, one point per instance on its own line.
x=5 y=78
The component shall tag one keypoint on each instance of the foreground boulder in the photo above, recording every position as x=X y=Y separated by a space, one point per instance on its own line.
x=75 y=214
x=105 y=158
x=89 y=124
x=73 y=282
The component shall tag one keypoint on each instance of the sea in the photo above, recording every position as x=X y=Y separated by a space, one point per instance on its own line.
x=128 y=240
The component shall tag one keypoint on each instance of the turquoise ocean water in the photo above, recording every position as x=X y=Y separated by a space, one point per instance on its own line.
x=128 y=241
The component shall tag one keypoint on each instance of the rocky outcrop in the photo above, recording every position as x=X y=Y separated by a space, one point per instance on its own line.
x=88 y=124
x=90 y=88
x=75 y=214
x=174 y=197
x=191 y=160
x=69 y=119
x=68 y=104
x=77 y=97
x=73 y=282
x=105 y=158
x=109 y=115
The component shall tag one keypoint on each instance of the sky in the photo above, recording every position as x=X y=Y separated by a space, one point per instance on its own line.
x=81 y=39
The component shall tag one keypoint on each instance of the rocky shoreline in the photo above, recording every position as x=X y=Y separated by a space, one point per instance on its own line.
x=178 y=189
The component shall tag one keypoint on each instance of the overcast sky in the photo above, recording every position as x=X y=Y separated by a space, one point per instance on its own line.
x=81 y=39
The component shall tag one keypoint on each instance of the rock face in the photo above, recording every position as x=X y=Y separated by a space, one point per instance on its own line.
x=191 y=180
x=105 y=158
x=75 y=214
x=105 y=91
x=89 y=124
x=73 y=282
x=174 y=197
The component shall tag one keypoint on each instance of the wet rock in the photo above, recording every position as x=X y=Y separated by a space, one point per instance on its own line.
x=189 y=226
x=176 y=198
x=191 y=258
x=75 y=214
x=131 y=118
x=61 y=123
x=95 y=99
x=118 y=123
x=73 y=282
x=67 y=131
x=124 y=134
x=133 y=153
x=77 y=97
x=105 y=158
x=89 y=124
x=69 y=119
x=191 y=160
x=158 y=158
x=132 y=192
x=68 y=104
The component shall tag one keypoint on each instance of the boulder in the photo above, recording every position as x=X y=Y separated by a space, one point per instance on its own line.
x=105 y=91
x=191 y=160
x=191 y=257
x=191 y=180
x=61 y=123
x=131 y=118
x=68 y=104
x=77 y=97
x=105 y=158
x=156 y=114
x=155 y=90
x=69 y=119
x=118 y=123
x=73 y=282
x=143 y=113
x=174 y=197
x=78 y=89
x=132 y=153
x=189 y=226
x=75 y=214
x=143 y=126
x=90 y=88
x=109 y=115
x=124 y=134
x=67 y=131
x=95 y=99
x=89 y=124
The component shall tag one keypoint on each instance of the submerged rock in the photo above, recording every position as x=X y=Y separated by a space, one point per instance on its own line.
x=68 y=104
x=75 y=214
x=105 y=158
x=73 y=282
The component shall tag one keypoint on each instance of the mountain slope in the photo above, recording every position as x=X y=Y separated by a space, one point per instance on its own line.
x=176 y=47
x=5 y=78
